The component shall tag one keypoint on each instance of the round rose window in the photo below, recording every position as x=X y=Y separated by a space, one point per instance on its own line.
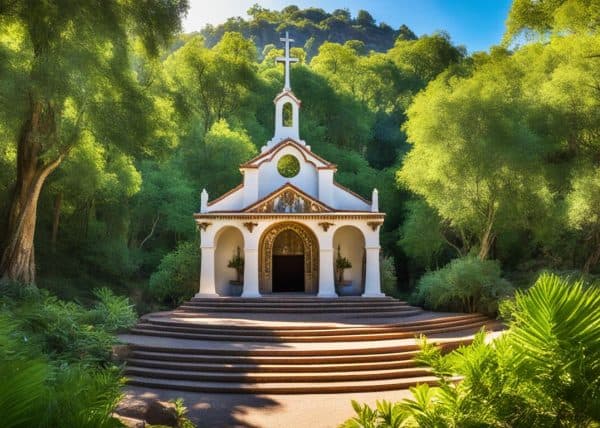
x=288 y=166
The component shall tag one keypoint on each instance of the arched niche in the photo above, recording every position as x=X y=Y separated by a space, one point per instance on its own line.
x=227 y=241
x=350 y=242
x=287 y=115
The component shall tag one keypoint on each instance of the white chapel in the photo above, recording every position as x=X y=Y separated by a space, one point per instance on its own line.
x=289 y=227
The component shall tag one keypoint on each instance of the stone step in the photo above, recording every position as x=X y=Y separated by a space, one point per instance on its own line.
x=277 y=377
x=173 y=356
x=260 y=303
x=306 y=299
x=324 y=330
x=394 y=309
x=248 y=349
x=185 y=333
x=282 y=388
x=294 y=304
x=250 y=366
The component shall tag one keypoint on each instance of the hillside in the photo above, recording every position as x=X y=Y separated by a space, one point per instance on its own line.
x=310 y=28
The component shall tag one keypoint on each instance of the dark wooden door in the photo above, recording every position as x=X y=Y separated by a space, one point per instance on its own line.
x=288 y=273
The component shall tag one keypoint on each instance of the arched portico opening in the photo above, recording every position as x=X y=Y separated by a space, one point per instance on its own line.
x=228 y=242
x=289 y=259
x=349 y=243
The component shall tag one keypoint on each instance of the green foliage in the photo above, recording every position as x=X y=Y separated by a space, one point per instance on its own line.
x=55 y=359
x=113 y=313
x=543 y=371
x=341 y=264
x=421 y=235
x=288 y=166
x=540 y=17
x=182 y=420
x=466 y=284
x=177 y=276
x=311 y=27
x=389 y=282
x=425 y=57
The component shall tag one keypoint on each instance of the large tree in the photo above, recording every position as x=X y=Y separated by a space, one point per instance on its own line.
x=475 y=155
x=66 y=72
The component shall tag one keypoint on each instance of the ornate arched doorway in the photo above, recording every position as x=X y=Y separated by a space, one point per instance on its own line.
x=289 y=259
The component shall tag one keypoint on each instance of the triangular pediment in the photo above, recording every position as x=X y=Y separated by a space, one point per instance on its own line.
x=288 y=199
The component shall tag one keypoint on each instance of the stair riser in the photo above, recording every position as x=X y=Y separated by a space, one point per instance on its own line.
x=296 y=389
x=281 y=352
x=338 y=359
x=310 y=339
x=223 y=368
x=297 y=300
x=280 y=378
x=372 y=332
x=322 y=310
x=317 y=329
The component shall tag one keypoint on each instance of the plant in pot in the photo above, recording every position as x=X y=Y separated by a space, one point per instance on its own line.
x=341 y=264
x=237 y=263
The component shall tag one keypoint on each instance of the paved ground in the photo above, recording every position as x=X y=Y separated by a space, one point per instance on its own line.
x=268 y=411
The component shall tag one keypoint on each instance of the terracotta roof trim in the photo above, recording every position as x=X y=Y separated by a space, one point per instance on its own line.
x=288 y=93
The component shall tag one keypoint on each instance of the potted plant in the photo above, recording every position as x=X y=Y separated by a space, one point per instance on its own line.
x=237 y=263
x=341 y=264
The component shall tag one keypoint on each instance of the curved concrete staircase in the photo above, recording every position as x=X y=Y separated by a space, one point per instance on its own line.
x=290 y=345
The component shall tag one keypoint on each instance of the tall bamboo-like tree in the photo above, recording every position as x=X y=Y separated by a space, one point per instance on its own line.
x=68 y=74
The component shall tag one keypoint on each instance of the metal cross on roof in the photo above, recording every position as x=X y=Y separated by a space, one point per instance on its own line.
x=287 y=60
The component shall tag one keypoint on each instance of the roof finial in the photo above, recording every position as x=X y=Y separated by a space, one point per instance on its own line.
x=287 y=60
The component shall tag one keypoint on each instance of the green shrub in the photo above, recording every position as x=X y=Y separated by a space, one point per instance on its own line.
x=113 y=313
x=36 y=391
x=387 y=272
x=544 y=371
x=177 y=276
x=467 y=284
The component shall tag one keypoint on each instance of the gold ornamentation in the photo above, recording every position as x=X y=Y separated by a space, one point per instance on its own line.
x=310 y=250
x=300 y=216
x=325 y=225
x=250 y=226
x=289 y=202
x=204 y=225
x=374 y=224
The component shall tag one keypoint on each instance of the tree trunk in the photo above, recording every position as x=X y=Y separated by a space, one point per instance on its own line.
x=594 y=258
x=56 y=218
x=487 y=238
x=39 y=129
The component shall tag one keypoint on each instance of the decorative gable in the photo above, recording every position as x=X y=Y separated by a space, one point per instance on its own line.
x=288 y=199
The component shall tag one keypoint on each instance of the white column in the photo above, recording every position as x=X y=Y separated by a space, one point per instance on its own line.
x=372 y=279
x=326 y=278
x=250 y=273
x=207 y=272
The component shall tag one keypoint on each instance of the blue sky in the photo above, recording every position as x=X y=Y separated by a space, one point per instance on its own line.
x=476 y=24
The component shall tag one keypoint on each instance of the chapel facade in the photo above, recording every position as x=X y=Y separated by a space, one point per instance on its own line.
x=289 y=227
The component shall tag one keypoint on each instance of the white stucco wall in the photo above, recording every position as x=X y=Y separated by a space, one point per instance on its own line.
x=352 y=246
x=270 y=180
x=227 y=241
x=215 y=243
x=343 y=200
x=232 y=202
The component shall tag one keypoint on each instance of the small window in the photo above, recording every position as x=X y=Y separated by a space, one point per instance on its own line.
x=287 y=115
x=288 y=166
